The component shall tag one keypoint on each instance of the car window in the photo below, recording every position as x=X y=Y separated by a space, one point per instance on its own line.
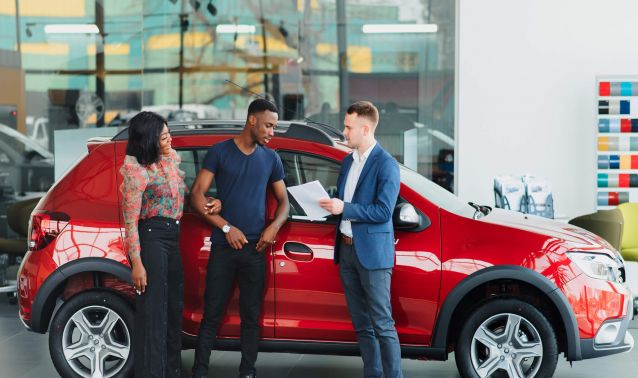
x=302 y=168
x=435 y=193
x=192 y=160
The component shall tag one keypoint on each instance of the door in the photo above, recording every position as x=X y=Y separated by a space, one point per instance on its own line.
x=310 y=304
x=310 y=301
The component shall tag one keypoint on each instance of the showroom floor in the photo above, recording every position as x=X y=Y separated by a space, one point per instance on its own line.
x=26 y=354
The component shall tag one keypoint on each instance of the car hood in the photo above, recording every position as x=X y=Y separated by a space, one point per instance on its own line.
x=574 y=238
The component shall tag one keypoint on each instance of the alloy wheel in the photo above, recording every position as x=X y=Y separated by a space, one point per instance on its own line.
x=507 y=343
x=96 y=342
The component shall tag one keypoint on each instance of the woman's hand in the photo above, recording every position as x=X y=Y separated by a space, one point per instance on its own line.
x=213 y=206
x=138 y=275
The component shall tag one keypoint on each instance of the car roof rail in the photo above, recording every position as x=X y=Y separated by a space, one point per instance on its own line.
x=309 y=131
x=330 y=130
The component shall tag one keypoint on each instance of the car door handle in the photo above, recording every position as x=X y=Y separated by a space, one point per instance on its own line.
x=298 y=251
x=296 y=248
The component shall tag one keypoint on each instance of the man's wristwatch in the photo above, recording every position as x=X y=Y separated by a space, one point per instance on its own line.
x=226 y=228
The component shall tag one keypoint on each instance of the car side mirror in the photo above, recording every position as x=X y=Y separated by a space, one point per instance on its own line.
x=407 y=218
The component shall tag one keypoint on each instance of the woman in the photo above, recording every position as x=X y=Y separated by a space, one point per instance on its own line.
x=152 y=202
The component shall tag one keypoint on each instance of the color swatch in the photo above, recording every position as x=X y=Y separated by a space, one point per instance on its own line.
x=618 y=162
x=618 y=143
x=612 y=198
x=618 y=125
x=617 y=180
x=614 y=107
x=622 y=88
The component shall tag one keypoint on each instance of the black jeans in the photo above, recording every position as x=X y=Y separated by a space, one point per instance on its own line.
x=157 y=340
x=225 y=263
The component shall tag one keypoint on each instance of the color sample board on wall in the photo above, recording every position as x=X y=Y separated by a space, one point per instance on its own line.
x=617 y=138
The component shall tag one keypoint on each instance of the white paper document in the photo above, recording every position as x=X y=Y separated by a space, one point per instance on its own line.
x=307 y=196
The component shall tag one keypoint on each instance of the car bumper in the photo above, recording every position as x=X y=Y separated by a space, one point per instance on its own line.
x=618 y=339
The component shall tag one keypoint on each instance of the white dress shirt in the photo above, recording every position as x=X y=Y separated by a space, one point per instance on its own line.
x=351 y=183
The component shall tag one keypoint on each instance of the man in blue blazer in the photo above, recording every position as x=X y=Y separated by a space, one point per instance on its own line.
x=368 y=187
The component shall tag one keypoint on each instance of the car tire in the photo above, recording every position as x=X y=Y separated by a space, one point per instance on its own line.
x=506 y=337
x=91 y=331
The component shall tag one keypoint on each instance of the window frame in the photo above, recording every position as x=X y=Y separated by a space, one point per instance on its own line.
x=330 y=219
x=197 y=162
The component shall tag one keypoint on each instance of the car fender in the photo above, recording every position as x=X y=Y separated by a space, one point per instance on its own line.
x=513 y=272
x=46 y=298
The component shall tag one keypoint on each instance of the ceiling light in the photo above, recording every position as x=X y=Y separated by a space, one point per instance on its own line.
x=399 y=28
x=71 y=29
x=232 y=28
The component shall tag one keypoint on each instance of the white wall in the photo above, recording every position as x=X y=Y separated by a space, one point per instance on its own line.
x=527 y=91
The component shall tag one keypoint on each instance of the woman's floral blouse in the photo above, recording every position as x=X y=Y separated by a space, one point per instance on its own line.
x=149 y=191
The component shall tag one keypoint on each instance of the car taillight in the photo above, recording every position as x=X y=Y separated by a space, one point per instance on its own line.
x=44 y=228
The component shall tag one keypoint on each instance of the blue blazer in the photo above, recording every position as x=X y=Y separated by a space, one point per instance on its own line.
x=371 y=208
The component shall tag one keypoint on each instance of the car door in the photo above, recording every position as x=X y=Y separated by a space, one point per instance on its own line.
x=195 y=249
x=309 y=296
x=310 y=303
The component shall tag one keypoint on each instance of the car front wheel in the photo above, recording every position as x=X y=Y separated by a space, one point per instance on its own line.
x=506 y=337
x=90 y=336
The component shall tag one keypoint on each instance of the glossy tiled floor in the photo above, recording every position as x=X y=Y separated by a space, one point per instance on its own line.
x=26 y=354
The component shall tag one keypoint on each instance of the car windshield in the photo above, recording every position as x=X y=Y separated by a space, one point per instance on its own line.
x=434 y=193
x=22 y=139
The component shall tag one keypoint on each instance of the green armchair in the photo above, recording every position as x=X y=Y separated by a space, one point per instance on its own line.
x=608 y=224
x=629 y=244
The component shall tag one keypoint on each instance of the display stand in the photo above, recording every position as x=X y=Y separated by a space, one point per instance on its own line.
x=617 y=138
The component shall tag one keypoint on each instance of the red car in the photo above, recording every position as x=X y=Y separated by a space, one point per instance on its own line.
x=505 y=291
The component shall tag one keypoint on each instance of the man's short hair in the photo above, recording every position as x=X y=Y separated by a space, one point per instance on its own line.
x=261 y=105
x=366 y=110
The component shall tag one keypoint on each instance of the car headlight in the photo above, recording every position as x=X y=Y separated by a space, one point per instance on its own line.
x=596 y=265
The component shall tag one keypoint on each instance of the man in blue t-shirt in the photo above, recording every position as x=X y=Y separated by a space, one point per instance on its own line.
x=242 y=168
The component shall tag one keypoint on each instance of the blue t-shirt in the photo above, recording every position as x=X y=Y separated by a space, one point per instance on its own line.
x=242 y=181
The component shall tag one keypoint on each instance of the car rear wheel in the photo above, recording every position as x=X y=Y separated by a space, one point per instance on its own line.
x=506 y=338
x=90 y=336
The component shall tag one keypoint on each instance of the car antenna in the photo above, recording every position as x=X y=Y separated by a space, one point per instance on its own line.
x=331 y=128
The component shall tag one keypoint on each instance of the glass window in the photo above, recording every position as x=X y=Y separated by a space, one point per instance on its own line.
x=189 y=59
x=192 y=161
x=435 y=193
x=8 y=35
x=314 y=58
x=303 y=168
